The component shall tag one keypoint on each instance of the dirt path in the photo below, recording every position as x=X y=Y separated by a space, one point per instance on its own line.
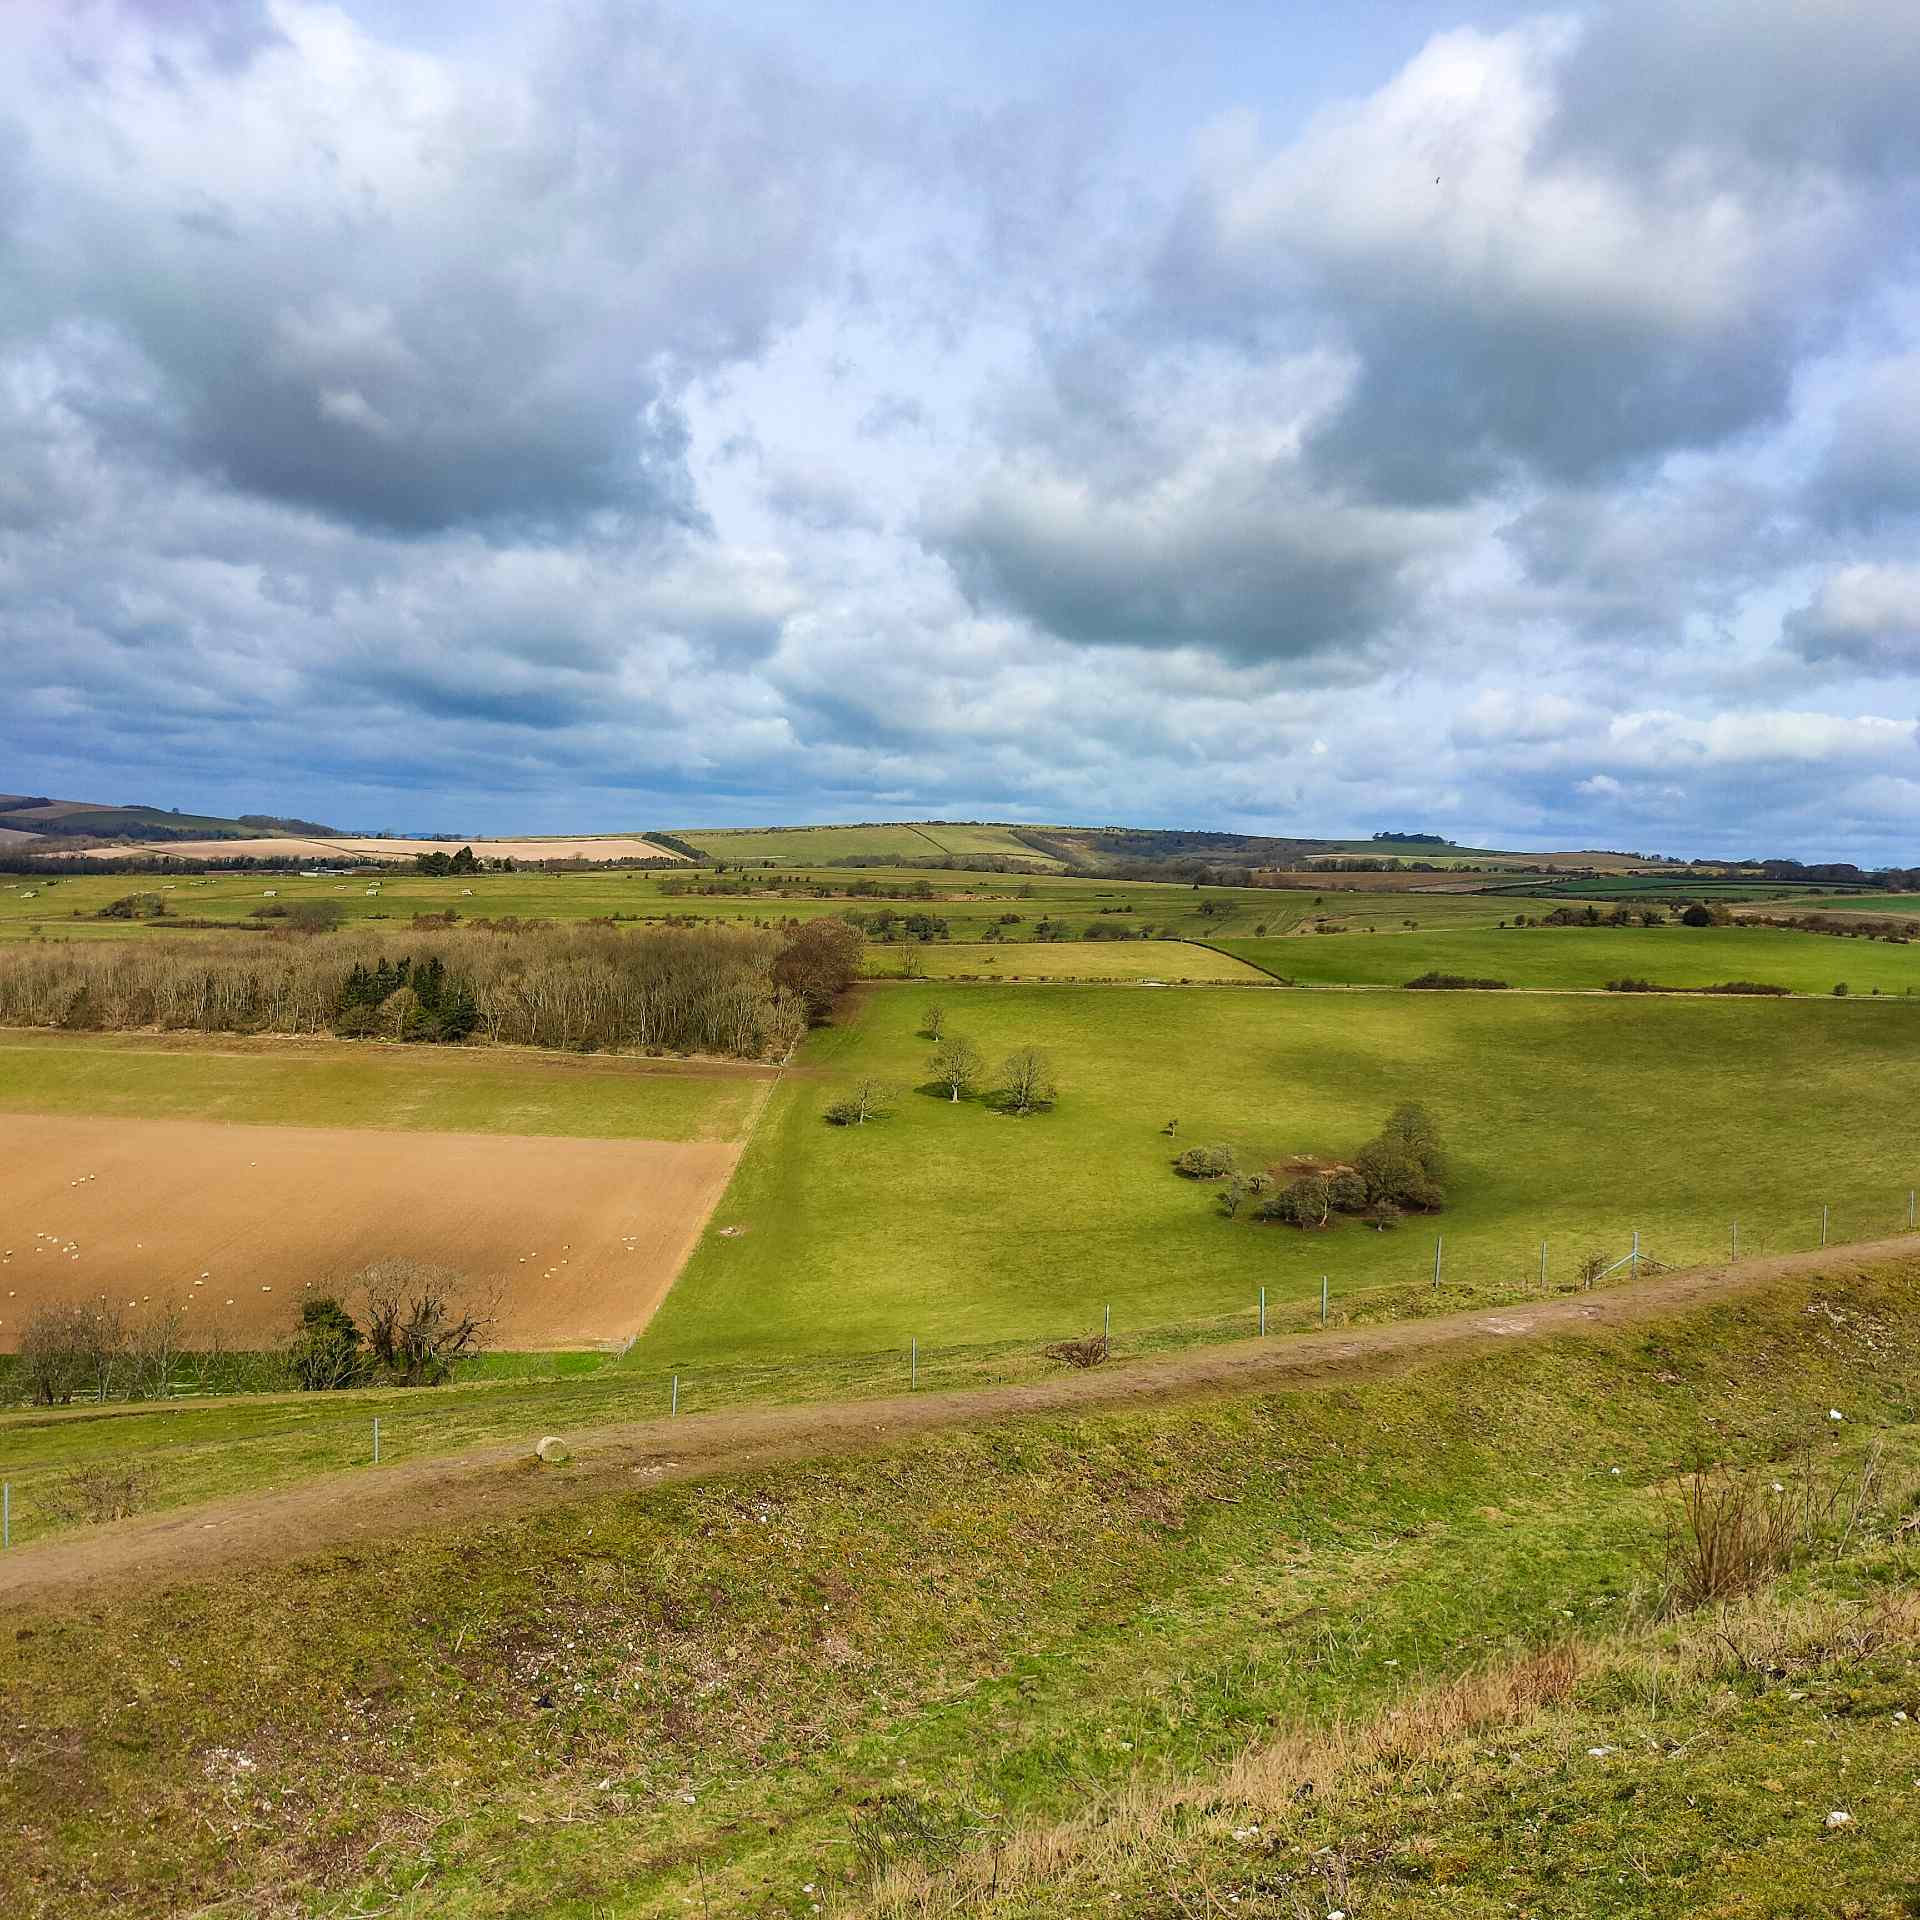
x=495 y=1482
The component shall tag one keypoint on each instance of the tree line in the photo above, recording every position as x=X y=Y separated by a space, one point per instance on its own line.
x=703 y=989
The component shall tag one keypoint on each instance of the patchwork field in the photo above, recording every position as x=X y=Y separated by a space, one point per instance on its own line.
x=1588 y=957
x=574 y=1240
x=1004 y=908
x=1571 y=1120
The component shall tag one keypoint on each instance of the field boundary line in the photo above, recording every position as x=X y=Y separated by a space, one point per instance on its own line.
x=491 y=1483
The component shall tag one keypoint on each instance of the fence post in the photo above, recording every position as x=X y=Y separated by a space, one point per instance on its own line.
x=1263 y=1313
x=1909 y=1209
x=1323 y=1299
x=675 y=1407
x=1636 y=1253
x=1106 y=1324
x=1823 y=1223
x=1733 y=1242
x=376 y=1439
x=913 y=1363
x=1543 y=1266
x=1439 y=1240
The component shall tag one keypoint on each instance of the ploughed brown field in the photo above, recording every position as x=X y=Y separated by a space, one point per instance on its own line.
x=580 y=1238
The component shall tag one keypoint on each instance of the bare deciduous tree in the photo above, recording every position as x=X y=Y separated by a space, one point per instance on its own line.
x=933 y=1023
x=417 y=1326
x=865 y=1101
x=1026 y=1081
x=957 y=1064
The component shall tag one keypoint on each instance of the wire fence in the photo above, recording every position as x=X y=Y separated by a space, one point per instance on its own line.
x=1440 y=1276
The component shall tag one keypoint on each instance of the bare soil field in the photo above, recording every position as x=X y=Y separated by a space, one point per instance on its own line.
x=580 y=1239
x=576 y=847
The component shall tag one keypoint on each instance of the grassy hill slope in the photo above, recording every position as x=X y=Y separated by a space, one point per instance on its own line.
x=1059 y=1666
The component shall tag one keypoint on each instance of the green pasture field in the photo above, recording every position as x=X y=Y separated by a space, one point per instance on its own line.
x=1571 y=1120
x=1730 y=888
x=337 y=1083
x=973 y=904
x=805 y=846
x=1895 y=906
x=1588 y=957
x=754 y=1692
x=1168 y=961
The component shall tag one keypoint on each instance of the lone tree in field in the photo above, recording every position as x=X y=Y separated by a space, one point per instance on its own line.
x=867 y=1101
x=1026 y=1081
x=957 y=1064
x=933 y=1023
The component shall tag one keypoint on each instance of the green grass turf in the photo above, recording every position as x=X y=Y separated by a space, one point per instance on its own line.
x=693 y=1698
x=1570 y=1120
x=1588 y=957
x=1171 y=961
x=362 y=1084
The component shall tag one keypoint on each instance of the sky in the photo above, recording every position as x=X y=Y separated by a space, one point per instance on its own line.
x=599 y=416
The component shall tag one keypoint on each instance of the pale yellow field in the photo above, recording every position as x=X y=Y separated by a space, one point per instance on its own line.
x=579 y=847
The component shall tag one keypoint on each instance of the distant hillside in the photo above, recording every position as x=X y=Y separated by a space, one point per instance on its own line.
x=46 y=819
x=1122 y=851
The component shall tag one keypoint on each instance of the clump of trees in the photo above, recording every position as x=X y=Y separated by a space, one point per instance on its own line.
x=419 y=1327
x=1456 y=981
x=448 y=863
x=1402 y=1169
x=92 y=1350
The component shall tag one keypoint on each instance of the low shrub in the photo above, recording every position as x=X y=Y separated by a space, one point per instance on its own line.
x=1092 y=1350
x=1205 y=1163
x=1455 y=982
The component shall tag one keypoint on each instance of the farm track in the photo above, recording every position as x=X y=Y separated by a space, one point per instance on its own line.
x=489 y=1484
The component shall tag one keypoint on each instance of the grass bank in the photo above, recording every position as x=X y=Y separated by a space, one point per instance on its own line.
x=766 y=1693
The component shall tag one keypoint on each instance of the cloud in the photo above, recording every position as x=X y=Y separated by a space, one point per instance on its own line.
x=1165 y=505
x=1863 y=616
x=1870 y=475
x=407 y=293
x=1523 y=295
x=586 y=417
